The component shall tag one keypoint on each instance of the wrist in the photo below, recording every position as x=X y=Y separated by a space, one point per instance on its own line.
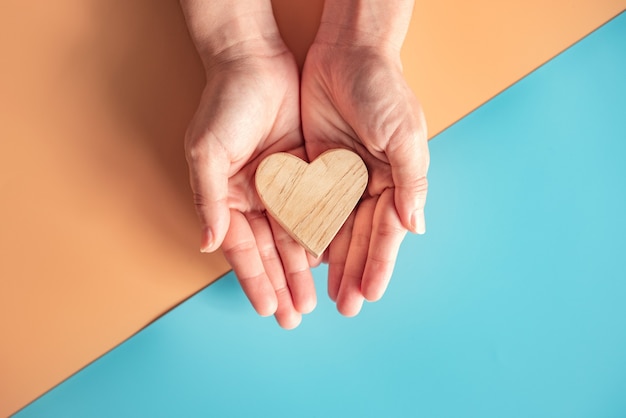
x=230 y=30
x=365 y=23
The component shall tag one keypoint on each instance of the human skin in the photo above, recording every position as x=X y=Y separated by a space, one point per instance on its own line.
x=249 y=109
x=353 y=96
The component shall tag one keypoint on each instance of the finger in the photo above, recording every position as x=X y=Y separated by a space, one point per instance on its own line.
x=241 y=251
x=387 y=235
x=349 y=297
x=208 y=176
x=296 y=266
x=316 y=261
x=286 y=314
x=337 y=253
x=409 y=158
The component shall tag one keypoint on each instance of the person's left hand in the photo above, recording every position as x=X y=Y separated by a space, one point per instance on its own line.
x=356 y=98
x=249 y=110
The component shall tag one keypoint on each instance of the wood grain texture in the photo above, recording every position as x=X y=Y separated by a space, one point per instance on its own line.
x=312 y=201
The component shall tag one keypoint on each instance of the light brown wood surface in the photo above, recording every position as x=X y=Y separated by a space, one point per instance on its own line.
x=312 y=201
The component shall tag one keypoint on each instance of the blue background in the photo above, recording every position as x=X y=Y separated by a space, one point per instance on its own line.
x=512 y=305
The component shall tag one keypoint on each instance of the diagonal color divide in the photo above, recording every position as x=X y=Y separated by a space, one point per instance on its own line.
x=96 y=120
x=511 y=305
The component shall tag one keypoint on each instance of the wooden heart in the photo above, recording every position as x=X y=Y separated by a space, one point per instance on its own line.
x=311 y=201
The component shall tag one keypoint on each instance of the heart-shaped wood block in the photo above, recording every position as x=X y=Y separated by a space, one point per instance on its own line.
x=312 y=201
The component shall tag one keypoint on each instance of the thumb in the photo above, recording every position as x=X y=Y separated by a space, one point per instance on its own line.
x=208 y=174
x=409 y=159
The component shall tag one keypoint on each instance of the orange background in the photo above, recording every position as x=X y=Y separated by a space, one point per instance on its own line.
x=98 y=235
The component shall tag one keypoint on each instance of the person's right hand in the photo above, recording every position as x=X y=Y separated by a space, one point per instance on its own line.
x=354 y=96
x=249 y=109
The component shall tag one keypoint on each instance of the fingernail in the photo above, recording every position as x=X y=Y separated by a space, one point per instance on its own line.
x=418 y=223
x=207 y=241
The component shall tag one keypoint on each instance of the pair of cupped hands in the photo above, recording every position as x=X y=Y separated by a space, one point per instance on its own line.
x=257 y=103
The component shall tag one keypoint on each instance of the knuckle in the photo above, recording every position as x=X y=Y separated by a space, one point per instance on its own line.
x=388 y=230
x=360 y=240
x=200 y=145
x=416 y=185
x=195 y=152
x=282 y=292
x=351 y=277
x=252 y=278
x=285 y=241
x=206 y=205
x=379 y=259
x=268 y=253
x=199 y=200
x=244 y=246
x=298 y=272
